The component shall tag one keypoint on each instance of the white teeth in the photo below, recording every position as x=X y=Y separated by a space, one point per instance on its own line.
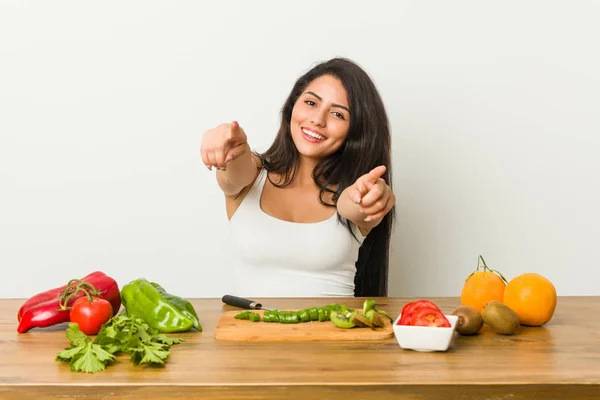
x=312 y=134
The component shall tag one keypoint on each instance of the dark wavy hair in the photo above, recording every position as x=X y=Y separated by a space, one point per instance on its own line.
x=367 y=146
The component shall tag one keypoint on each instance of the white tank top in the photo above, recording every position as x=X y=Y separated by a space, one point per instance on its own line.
x=277 y=258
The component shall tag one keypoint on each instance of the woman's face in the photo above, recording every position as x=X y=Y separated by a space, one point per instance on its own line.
x=321 y=118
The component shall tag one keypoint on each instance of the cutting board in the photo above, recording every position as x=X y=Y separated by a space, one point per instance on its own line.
x=241 y=330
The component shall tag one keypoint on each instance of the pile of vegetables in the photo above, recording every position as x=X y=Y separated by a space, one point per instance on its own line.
x=55 y=306
x=91 y=307
x=341 y=316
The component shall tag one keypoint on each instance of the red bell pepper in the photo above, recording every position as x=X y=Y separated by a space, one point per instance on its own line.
x=53 y=306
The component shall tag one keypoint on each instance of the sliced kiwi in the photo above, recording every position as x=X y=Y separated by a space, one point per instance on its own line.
x=342 y=320
x=381 y=312
x=360 y=320
x=469 y=320
x=375 y=318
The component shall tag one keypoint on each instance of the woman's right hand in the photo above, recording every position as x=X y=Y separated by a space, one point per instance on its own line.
x=222 y=145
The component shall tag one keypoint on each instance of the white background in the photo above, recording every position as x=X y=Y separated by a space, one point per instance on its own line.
x=494 y=108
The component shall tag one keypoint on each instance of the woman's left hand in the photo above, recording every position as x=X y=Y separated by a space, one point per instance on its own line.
x=373 y=195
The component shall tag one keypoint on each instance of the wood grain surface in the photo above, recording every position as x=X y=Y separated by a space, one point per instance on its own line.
x=231 y=329
x=558 y=361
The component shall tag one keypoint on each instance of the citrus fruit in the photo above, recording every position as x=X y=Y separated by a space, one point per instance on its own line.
x=533 y=297
x=482 y=286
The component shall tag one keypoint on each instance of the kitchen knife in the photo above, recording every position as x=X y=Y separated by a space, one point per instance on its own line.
x=243 y=303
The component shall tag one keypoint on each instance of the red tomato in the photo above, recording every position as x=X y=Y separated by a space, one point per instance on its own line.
x=90 y=316
x=427 y=316
x=409 y=309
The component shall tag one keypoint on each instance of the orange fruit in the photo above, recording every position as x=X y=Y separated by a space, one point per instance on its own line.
x=482 y=286
x=532 y=297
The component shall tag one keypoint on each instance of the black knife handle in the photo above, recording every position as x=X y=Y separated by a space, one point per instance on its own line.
x=241 y=302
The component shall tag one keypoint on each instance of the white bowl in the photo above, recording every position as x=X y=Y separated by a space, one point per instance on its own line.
x=425 y=338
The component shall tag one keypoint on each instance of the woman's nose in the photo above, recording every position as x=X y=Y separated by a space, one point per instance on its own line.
x=319 y=117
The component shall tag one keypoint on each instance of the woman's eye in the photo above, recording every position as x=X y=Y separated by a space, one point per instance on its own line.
x=338 y=115
x=310 y=103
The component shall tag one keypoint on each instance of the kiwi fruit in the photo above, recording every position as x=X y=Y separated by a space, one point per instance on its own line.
x=360 y=320
x=342 y=320
x=469 y=320
x=375 y=318
x=500 y=318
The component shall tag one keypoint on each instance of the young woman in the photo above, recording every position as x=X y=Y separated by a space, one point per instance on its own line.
x=311 y=216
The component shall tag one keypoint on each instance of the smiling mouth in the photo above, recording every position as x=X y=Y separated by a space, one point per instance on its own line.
x=312 y=134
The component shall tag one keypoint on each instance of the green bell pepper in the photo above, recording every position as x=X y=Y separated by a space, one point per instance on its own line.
x=182 y=304
x=162 y=311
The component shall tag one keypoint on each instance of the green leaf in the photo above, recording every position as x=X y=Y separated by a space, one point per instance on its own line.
x=143 y=334
x=102 y=355
x=121 y=333
x=109 y=332
x=162 y=338
x=109 y=340
x=112 y=347
x=70 y=352
x=88 y=361
x=132 y=344
x=75 y=336
x=152 y=353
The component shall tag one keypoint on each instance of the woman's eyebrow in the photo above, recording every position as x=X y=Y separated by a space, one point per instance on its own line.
x=333 y=105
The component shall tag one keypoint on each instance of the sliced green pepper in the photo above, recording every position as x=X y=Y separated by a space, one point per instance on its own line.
x=288 y=317
x=304 y=315
x=255 y=317
x=243 y=315
x=271 y=316
x=266 y=316
x=321 y=315
x=249 y=315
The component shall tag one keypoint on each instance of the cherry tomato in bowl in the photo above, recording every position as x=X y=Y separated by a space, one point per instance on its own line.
x=91 y=315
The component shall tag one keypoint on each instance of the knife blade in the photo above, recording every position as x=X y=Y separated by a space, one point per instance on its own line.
x=243 y=303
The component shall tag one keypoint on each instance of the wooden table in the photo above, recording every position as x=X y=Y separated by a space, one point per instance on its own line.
x=558 y=361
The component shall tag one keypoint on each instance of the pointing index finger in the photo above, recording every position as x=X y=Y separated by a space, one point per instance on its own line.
x=375 y=174
x=234 y=129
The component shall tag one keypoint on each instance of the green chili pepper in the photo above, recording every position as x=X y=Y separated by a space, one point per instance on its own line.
x=243 y=315
x=289 y=317
x=304 y=316
x=271 y=316
x=275 y=316
x=254 y=317
x=144 y=300
x=266 y=316
x=335 y=307
x=321 y=315
x=249 y=315
x=183 y=305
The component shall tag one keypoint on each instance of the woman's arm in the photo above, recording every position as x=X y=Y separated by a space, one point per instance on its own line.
x=238 y=173
x=367 y=201
x=226 y=149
